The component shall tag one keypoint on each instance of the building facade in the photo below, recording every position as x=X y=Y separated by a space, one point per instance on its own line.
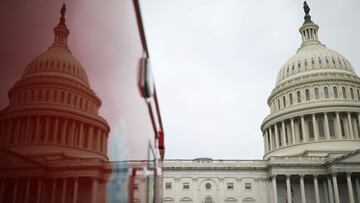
x=311 y=139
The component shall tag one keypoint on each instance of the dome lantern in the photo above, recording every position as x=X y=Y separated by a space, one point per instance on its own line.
x=61 y=32
x=309 y=30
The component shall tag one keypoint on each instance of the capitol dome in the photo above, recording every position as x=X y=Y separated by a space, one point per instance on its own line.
x=315 y=105
x=53 y=101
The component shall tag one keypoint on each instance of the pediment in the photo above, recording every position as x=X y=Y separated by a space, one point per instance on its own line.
x=10 y=159
x=350 y=158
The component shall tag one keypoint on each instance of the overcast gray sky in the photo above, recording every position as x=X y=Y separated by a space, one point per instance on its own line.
x=216 y=62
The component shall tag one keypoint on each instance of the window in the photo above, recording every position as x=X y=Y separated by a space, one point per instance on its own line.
x=342 y=126
x=300 y=132
x=358 y=94
x=326 y=92
x=335 y=92
x=331 y=127
x=344 y=92
x=278 y=102
x=168 y=185
x=321 y=128
x=208 y=186
x=291 y=98
x=284 y=101
x=311 y=129
x=307 y=94
x=247 y=186
x=186 y=186
x=316 y=93
x=230 y=186
x=352 y=93
x=208 y=200
x=298 y=95
x=136 y=186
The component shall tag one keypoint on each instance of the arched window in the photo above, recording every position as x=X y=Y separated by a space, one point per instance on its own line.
x=307 y=95
x=208 y=200
x=298 y=95
x=358 y=94
x=316 y=90
x=352 y=93
x=326 y=92
x=335 y=92
x=291 y=99
x=310 y=129
x=284 y=101
x=321 y=127
x=331 y=127
x=344 y=92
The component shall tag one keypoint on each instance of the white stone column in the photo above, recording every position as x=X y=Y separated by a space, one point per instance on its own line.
x=271 y=139
x=76 y=188
x=273 y=179
x=304 y=134
x=288 y=188
x=276 y=136
x=315 y=127
x=293 y=131
x=326 y=126
x=27 y=190
x=39 y=191
x=350 y=188
x=357 y=188
x=265 y=143
x=338 y=126
x=15 y=191
x=53 y=190
x=331 y=191
x=283 y=128
x=94 y=190
x=63 y=196
x=336 y=190
x=351 y=132
x=302 y=189
x=316 y=186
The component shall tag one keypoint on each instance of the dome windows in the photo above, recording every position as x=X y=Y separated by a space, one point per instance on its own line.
x=291 y=99
x=307 y=94
x=326 y=92
x=335 y=92
x=344 y=92
x=298 y=95
x=316 y=90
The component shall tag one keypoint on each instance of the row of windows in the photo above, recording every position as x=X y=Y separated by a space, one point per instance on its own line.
x=315 y=94
x=51 y=95
x=61 y=67
x=340 y=62
x=208 y=186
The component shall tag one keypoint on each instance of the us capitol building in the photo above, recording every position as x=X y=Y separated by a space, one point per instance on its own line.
x=311 y=139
